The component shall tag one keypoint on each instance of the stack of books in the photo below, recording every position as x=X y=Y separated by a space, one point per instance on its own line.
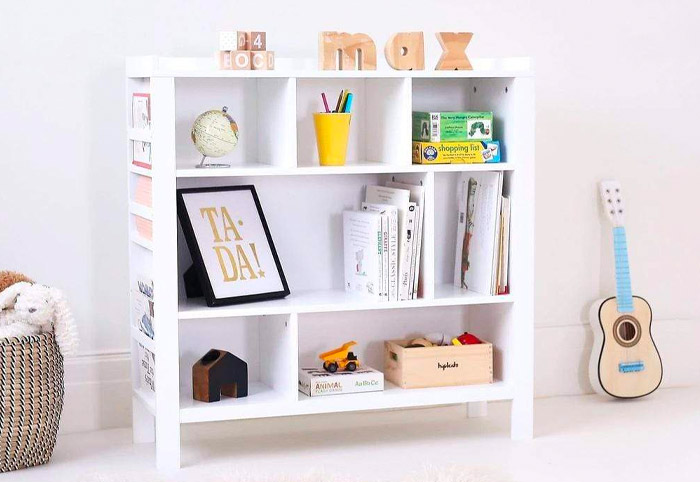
x=454 y=138
x=382 y=242
x=483 y=234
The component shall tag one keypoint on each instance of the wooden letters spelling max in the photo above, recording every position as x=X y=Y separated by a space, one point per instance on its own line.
x=403 y=51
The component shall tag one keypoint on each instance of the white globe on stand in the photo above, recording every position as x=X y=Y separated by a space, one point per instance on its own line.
x=214 y=134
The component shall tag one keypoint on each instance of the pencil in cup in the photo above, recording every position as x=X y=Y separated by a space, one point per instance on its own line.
x=332 y=131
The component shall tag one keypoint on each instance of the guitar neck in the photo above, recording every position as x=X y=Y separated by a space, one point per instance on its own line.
x=622 y=271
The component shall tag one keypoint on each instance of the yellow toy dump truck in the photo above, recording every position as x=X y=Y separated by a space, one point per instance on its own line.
x=340 y=358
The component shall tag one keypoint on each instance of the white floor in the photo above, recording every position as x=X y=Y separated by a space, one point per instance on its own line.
x=584 y=438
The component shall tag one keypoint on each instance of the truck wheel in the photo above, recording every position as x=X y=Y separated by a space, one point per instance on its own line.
x=332 y=367
x=351 y=367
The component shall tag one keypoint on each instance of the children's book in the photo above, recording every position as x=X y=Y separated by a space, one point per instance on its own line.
x=479 y=197
x=400 y=199
x=406 y=282
x=417 y=196
x=390 y=246
x=362 y=236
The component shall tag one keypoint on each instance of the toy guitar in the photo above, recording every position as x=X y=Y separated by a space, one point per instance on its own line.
x=625 y=362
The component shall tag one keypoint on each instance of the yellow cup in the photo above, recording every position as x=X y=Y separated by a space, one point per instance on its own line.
x=332 y=132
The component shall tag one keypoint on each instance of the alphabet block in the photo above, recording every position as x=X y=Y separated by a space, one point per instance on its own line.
x=356 y=49
x=405 y=51
x=270 y=60
x=453 y=46
x=224 y=60
x=219 y=373
x=258 y=60
x=227 y=41
x=240 y=60
x=242 y=41
x=258 y=41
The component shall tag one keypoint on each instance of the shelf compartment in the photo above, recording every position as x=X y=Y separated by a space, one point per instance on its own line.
x=263 y=109
x=380 y=130
x=446 y=208
x=268 y=344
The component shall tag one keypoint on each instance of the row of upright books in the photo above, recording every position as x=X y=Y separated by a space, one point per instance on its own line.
x=483 y=234
x=382 y=242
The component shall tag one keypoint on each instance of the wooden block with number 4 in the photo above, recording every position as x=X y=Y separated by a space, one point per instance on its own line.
x=258 y=41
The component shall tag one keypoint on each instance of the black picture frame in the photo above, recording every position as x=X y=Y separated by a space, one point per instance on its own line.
x=199 y=266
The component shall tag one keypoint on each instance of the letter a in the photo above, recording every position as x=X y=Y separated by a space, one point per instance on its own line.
x=405 y=51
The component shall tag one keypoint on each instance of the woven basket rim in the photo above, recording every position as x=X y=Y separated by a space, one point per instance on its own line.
x=25 y=340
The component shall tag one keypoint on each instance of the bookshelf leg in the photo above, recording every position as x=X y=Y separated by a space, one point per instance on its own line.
x=142 y=422
x=521 y=415
x=477 y=409
x=167 y=447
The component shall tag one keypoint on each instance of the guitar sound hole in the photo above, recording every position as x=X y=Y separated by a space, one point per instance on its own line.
x=627 y=331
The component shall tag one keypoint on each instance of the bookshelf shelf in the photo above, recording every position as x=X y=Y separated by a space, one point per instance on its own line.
x=263 y=402
x=357 y=168
x=332 y=301
x=303 y=202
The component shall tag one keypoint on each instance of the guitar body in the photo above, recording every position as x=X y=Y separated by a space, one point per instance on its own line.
x=624 y=362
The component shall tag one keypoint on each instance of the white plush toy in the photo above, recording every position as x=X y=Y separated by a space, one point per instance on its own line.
x=28 y=308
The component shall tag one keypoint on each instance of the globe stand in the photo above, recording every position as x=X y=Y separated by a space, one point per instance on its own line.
x=210 y=165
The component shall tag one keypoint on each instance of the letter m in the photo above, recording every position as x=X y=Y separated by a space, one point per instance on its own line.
x=344 y=51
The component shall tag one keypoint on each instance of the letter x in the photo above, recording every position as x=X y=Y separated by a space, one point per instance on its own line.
x=453 y=46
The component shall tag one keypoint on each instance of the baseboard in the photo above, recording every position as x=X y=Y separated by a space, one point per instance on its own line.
x=562 y=353
x=98 y=387
x=98 y=392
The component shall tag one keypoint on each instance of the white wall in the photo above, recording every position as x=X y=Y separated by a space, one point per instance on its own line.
x=617 y=95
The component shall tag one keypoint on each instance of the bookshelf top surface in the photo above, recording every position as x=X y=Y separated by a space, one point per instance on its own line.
x=154 y=66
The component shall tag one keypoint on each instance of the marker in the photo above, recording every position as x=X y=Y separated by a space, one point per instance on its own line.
x=345 y=99
x=348 y=103
x=325 y=102
x=340 y=99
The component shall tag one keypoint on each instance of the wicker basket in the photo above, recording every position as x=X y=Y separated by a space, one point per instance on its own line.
x=31 y=400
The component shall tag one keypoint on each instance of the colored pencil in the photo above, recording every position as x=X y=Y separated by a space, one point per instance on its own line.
x=348 y=103
x=340 y=100
x=325 y=102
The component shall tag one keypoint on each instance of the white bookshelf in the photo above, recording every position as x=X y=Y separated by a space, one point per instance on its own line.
x=303 y=203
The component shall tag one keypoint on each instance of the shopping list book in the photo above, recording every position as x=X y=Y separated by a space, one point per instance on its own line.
x=363 y=252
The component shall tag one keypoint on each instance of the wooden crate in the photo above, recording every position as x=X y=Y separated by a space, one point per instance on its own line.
x=437 y=366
